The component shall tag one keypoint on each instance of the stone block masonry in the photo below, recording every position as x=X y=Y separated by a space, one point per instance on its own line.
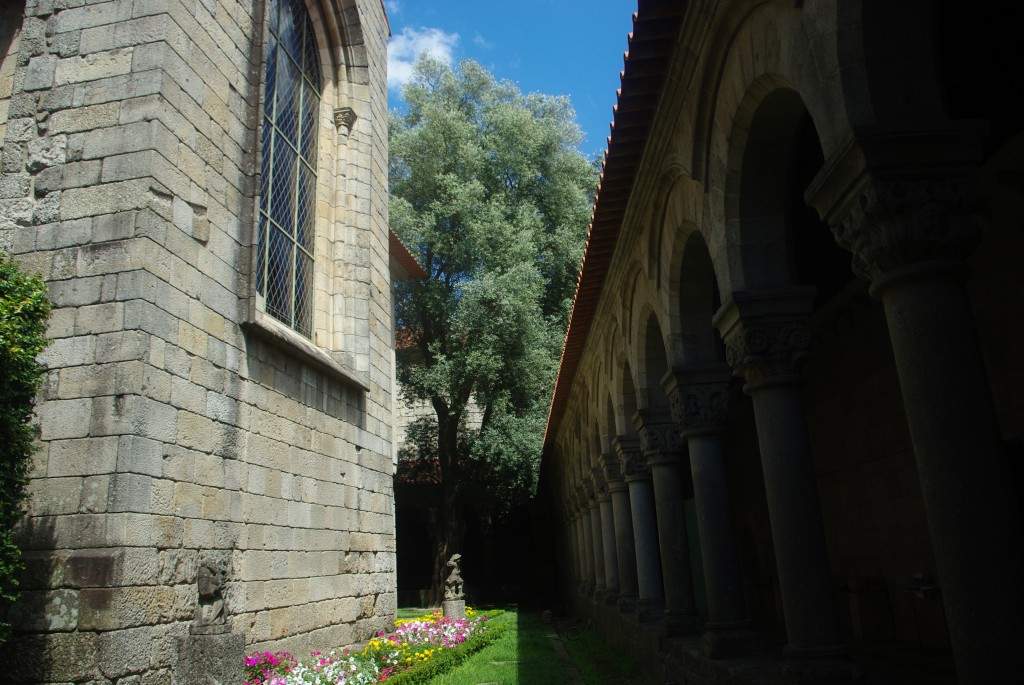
x=178 y=420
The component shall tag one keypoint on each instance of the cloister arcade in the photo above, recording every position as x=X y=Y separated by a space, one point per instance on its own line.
x=787 y=431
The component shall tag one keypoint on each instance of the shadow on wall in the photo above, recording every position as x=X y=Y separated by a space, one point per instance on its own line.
x=29 y=656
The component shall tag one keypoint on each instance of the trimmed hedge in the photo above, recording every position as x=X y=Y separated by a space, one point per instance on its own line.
x=447 y=659
x=24 y=310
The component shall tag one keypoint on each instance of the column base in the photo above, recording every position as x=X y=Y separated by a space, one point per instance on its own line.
x=626 y=604
x=611 y=598
x=678 y=623
x=819 y=670
x=721 y=642
x=650 y=610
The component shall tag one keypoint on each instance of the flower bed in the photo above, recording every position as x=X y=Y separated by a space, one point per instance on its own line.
x=416 y=642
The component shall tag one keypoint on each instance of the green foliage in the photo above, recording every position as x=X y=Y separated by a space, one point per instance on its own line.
x=490 y=193
x=24 y=310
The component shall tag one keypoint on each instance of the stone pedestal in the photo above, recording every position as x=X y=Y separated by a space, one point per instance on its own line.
x=209 y=654
x=454 y=609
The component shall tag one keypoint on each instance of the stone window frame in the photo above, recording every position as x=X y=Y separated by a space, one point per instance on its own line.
x=286 y=214
x=335 y=127
x=11 y=22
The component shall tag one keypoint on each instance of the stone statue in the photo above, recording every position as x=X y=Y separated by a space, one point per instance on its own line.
x=453 y=583
x=211 y=578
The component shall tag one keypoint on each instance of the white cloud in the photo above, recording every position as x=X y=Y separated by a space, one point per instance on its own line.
x=481 y=41
x=392 y=7
x=405 y=48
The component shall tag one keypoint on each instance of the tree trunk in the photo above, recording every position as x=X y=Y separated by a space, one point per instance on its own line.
x=449 y=529
x=448 y=521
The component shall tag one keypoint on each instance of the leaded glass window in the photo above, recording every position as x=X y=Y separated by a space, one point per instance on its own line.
x=287 y=210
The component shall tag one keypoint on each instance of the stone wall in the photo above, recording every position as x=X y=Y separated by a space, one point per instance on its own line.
x=177 y=419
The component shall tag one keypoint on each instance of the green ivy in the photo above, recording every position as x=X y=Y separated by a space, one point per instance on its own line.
x=24 y=310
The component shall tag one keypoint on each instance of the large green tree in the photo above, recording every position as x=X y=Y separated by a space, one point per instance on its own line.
x=490 y=193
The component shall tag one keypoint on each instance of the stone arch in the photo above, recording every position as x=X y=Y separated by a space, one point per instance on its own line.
x=664 y=206
x=610 y=426
x=774 y=239
x=886 y=55
x=628 y=405
x=695 y=298
x=752 y=39
x=652 y=359
x=625 y=311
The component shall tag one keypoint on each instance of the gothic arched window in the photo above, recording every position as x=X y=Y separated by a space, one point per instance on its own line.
x=291 y=117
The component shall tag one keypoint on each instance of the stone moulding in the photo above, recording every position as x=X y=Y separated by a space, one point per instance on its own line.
x=265 y=327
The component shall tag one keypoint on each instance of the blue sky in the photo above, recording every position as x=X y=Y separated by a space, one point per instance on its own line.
x=558 y=47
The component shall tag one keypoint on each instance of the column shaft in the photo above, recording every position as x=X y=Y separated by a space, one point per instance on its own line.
x=798 y=534
x=645 y=538
x=965 y=479
x=718 y=547
x=624 y=546
x=611 y=568
x=597 y=547
x=673 y=541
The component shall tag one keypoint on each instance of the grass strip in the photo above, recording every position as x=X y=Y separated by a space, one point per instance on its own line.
x=601 y=663
x=523 y=654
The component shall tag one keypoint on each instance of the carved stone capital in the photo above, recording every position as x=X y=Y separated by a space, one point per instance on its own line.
x=766 y=335
x=632 y=462
x=344 y=120
x=699 y=398
x=611 y=468
x=903 y=197
x=895 y=223
x=659 y=437
x=600 y=486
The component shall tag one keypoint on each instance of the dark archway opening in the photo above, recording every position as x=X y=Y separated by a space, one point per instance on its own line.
x=414 y=555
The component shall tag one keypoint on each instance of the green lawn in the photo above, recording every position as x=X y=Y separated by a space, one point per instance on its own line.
x=527 y=653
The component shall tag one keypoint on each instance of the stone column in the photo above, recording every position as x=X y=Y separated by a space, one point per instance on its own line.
x=572 y=542
x=586 y=554
x=663 y=450
x=622 y=525
x=765 y=337
x=588 y=541
x=699 y=398
x=651 y=598
x=608 y=559
x=910 y=229
x=597 y=543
